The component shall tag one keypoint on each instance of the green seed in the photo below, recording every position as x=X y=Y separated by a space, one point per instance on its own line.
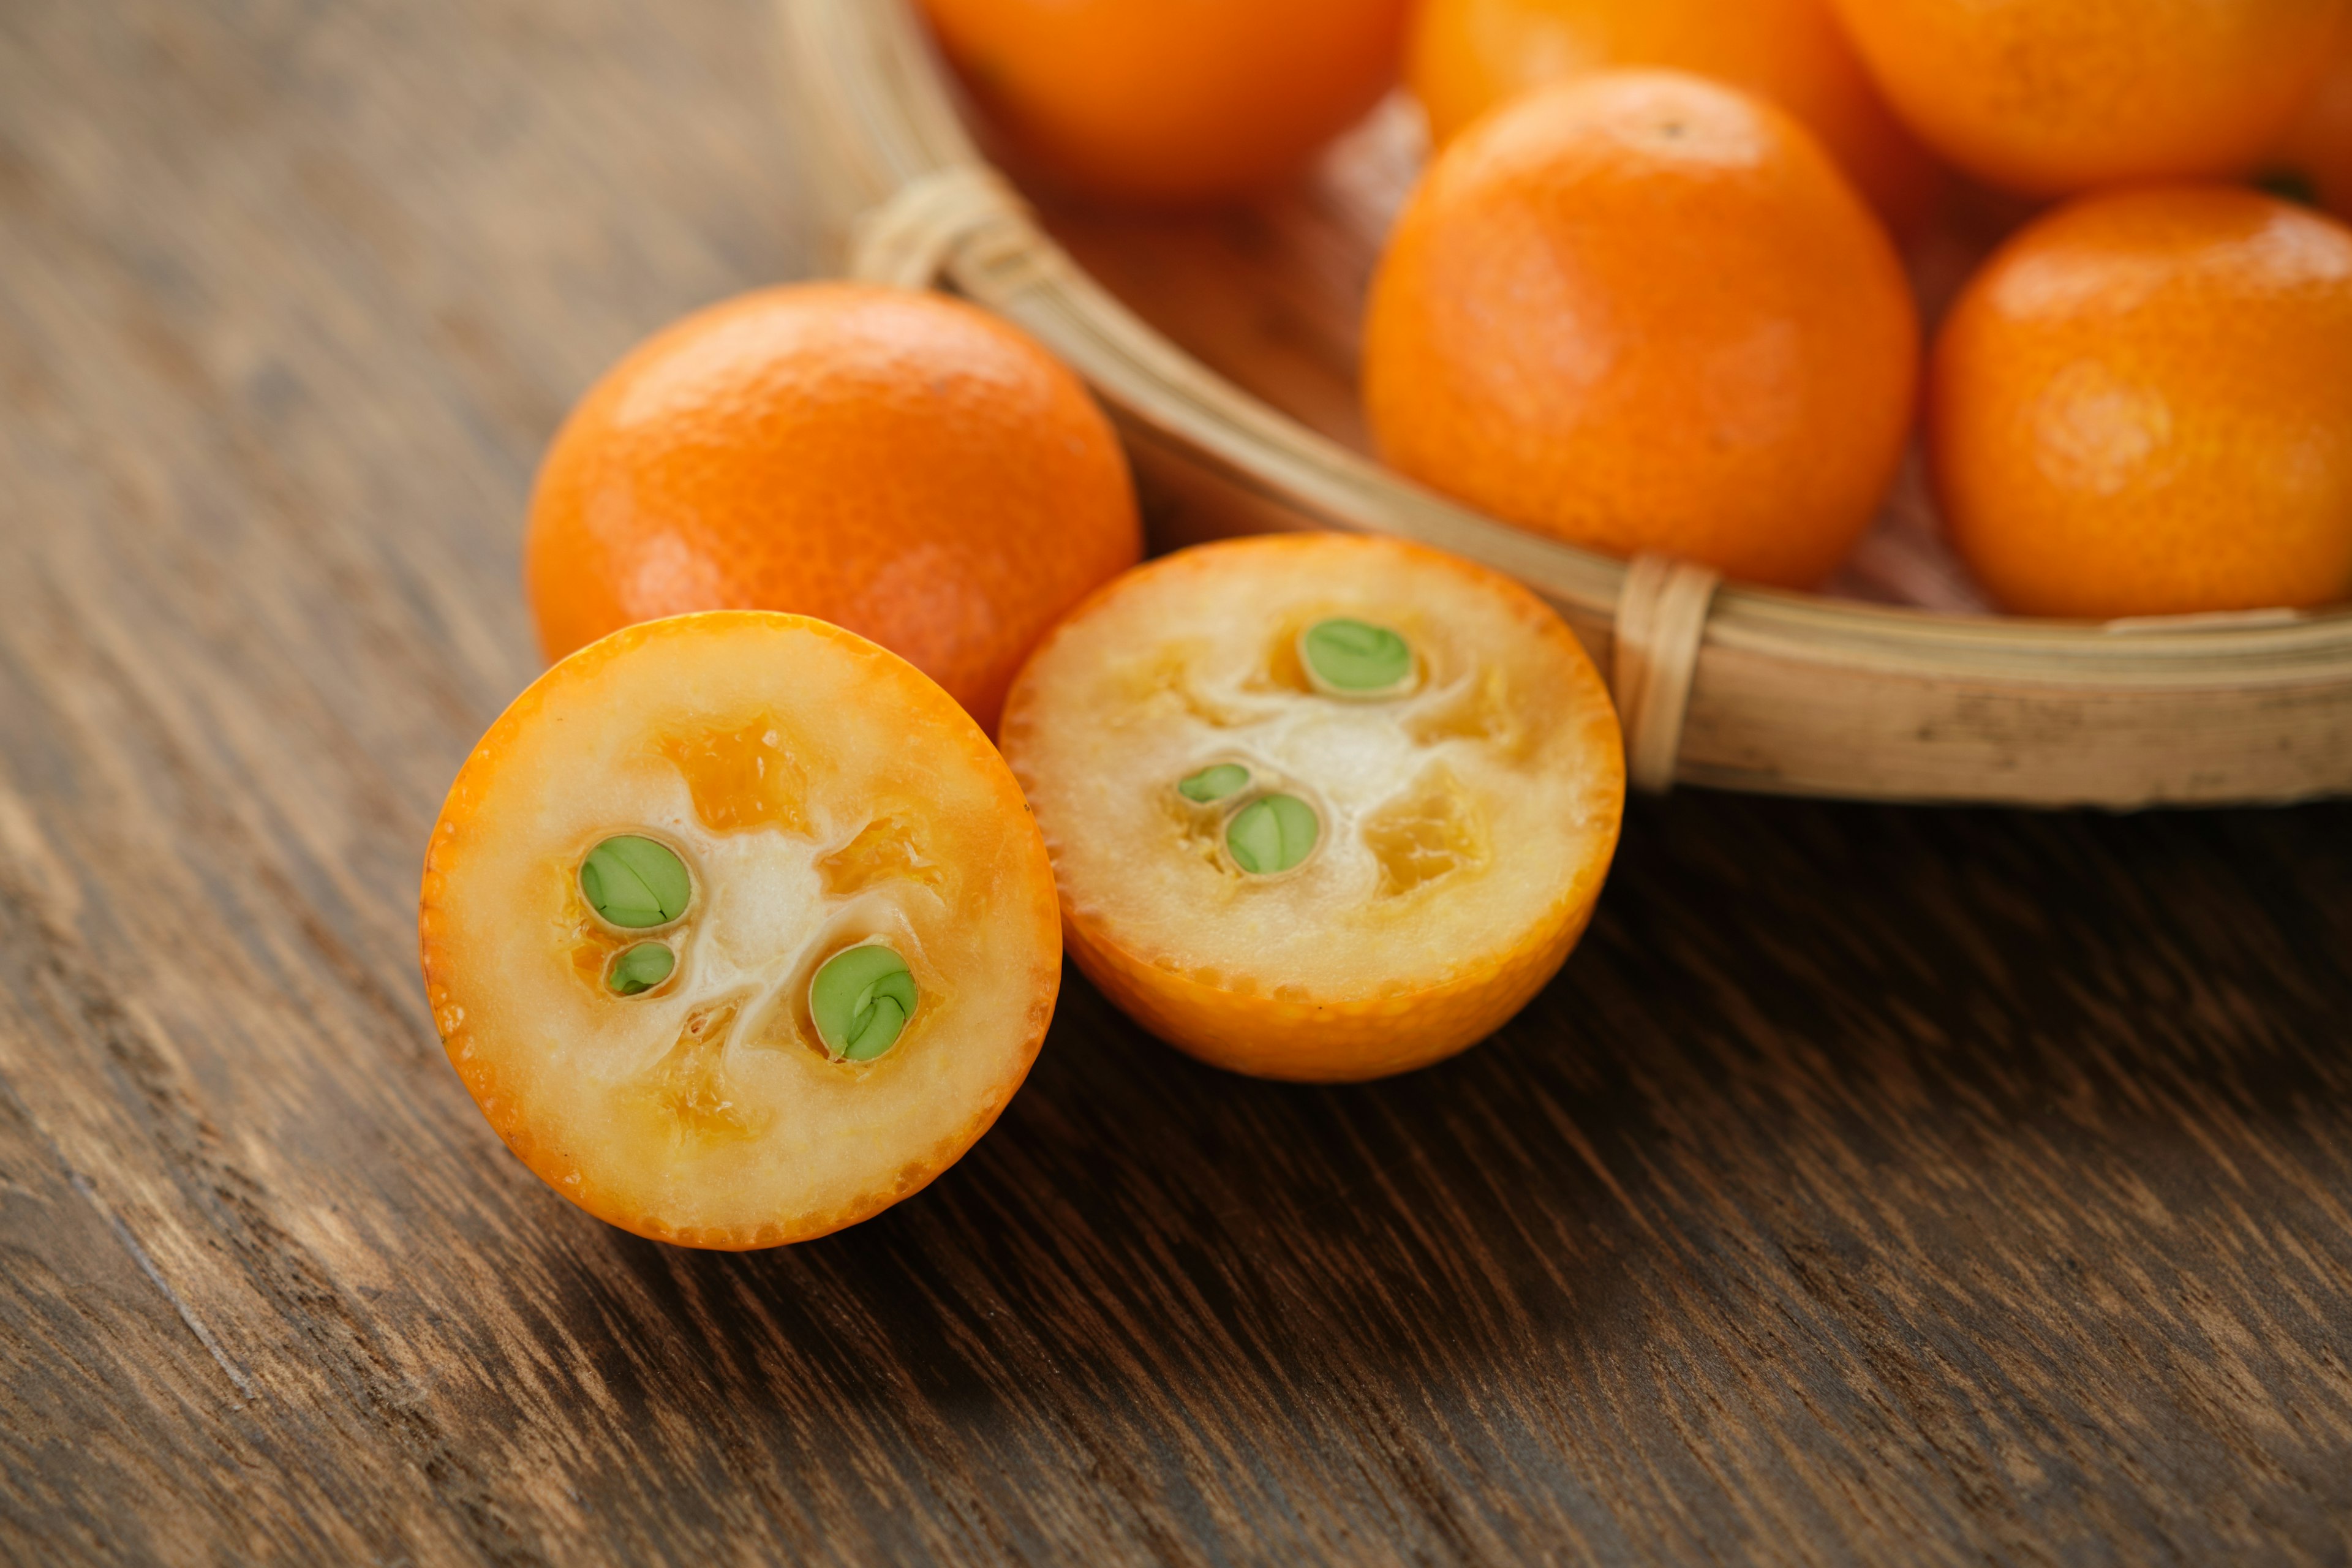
x=635 y=882
x=1355 y=658
x=1272 y=833
x=1215 y=783
x=861 y=1000
x=641 y=968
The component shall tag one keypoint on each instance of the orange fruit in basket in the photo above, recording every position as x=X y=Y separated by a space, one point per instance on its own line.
x=737 y=929
x=1468 y=56
x=2317 y=147
x=2143 y=405
x=2048 y=97
x=1159 y=102
x=1320 y=807
x=897 y=463
x=1641 y=312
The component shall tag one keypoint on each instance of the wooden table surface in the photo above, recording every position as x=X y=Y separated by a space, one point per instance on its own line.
x=1874 y=1186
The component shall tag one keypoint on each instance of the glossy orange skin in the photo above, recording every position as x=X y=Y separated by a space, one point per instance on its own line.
x=1645 y=312
x=896 y=463
x=2052 y=97
x=1468 y=56
x=1172 y=103
x=2318 y=145
x=2143 y=405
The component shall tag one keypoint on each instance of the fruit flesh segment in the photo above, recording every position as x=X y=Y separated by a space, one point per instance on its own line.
x=743 y=778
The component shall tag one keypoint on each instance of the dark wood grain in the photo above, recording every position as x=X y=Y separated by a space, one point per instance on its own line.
x=1874 y=1186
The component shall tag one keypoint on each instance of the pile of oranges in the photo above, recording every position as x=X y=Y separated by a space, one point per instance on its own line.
x=1648 y=297
x=747 y=919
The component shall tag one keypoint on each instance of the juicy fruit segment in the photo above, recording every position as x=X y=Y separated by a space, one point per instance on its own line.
x=1429 y=832
x=2142 y=405
x=742 y=778
x=1709 y=348
x=1311 y=884
x=2052 y=97
x=649 y=884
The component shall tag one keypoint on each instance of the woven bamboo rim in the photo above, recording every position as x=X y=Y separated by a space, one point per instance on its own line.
x=1727 y=686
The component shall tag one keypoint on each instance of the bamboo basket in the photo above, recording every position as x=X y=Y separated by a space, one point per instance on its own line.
x=1719 y=685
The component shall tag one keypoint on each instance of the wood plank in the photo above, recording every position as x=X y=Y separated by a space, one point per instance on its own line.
x=1875 y=1186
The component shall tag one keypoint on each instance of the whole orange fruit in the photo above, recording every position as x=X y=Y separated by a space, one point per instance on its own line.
x=1148 y=100
x=1467 y=57
x=2050 y=97
x=2143 y=405
x=1640 y=313
x=2318 y=144
x=897 y=463
x=737 y=930
x=1321 y=807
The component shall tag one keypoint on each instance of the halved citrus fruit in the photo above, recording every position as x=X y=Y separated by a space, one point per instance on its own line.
x=1320 y=807
x=737 y=930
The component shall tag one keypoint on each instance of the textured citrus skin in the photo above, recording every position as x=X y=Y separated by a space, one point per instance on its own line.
x=702 y=1113
x=1640 y=312
x=1340 y=971
x=897 y=463
x=2050 y=97
x=2143 y=405
x=2318 y=145
x=1468 y=56
x=1176 y=103
x=1335 y=1041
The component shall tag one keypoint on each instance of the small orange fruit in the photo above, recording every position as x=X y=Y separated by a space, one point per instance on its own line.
x=1640 y=312
x=2318 y=146
x=1468 y=56
x=1320 y=807
x=737 y=930
x=1148 y=100
x=897 y=463
x=2050 y=97
x=2143 y=405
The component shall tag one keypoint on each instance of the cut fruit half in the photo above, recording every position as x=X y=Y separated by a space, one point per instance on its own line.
x=1320 y=807
x=738 y=929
